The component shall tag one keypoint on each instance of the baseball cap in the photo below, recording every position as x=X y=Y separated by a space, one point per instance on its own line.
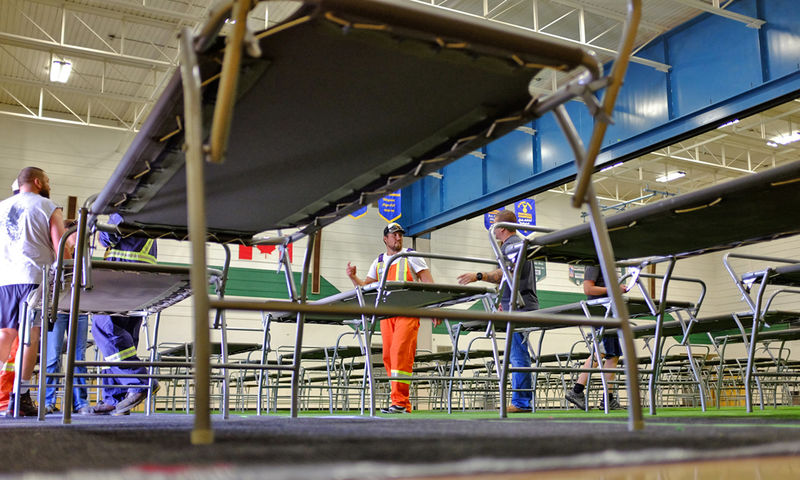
x=393 y=227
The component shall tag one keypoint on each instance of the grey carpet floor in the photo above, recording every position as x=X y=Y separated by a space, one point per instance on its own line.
x=322 y=447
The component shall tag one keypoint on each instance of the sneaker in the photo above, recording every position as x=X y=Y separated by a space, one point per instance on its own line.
x=613 y=404
x=394 y=409
x=101 y=409
x=515 y=409
x=132 y=400
x=50 y=409
x=576 y=399
x=84 y=410
x=26 y=406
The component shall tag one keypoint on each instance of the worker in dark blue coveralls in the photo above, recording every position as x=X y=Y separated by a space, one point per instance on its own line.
x=117 y=336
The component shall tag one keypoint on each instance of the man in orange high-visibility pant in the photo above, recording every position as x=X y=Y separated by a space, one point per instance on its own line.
x=7 y=377
x=399 y=333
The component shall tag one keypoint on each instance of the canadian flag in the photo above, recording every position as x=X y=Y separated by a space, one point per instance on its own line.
x=246 y=253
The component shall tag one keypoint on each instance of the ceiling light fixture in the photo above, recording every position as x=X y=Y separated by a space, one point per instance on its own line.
x=670 y=176
x=785 y=139
x=60 y=70
x=611 y=166
x=732 y=122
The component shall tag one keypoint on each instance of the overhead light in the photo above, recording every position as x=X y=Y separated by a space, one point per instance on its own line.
x=611 y=166
x=668 y=177
x=732 y=122
x=784 y=139
x=60 y=70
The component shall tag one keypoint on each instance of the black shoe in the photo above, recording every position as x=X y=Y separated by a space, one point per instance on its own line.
x=26 y=406
x=394 y=409
x=576 y=399
x=613 y=404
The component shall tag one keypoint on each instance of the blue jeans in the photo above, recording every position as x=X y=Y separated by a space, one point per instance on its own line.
x=55 y=344
x=520 y=357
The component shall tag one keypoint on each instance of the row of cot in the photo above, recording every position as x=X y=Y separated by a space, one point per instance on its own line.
x=482 y=69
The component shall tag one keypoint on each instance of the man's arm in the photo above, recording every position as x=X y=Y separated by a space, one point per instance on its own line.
x=57 y=231
x=589 y=288
x=357 y=282
x=494 y=276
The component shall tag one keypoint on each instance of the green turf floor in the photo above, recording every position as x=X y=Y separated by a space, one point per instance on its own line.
x=779 y=413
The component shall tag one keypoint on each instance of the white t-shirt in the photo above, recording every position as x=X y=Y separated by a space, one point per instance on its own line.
x=417 y=265
x=25 y=244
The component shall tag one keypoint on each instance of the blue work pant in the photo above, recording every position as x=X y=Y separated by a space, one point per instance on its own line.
x=520 y=357
x=55 y=345
x=117 y=338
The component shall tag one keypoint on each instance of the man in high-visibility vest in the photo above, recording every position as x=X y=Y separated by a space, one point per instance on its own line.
x=399 y=333
x=117 y=336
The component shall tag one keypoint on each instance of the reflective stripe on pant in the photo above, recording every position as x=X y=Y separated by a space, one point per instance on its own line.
x=7 y=375
x=399 y=346
x=117 y=337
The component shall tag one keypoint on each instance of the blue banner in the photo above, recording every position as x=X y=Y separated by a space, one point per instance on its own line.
x=359 y=213
x=389 y=207
x=526 y=213
x=488 y=218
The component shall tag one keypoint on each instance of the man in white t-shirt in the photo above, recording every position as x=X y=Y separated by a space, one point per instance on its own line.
x=31 y=229
x=399 y=333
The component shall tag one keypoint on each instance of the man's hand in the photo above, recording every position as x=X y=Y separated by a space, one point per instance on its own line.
x=351 y=270
x=466 y=278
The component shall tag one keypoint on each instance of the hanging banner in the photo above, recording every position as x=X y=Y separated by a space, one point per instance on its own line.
x=526 y=213
x=359 y=213
x=488 y=218
x=389 y=207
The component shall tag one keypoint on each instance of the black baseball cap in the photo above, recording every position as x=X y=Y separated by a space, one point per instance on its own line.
x=393 y=227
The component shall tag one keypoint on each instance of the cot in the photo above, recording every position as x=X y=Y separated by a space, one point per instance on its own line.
x=371 y=94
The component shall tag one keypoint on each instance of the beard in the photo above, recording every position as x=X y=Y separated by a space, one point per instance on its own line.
x=45 y=193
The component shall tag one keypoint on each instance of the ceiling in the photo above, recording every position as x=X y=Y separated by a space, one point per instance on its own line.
x=123 y=51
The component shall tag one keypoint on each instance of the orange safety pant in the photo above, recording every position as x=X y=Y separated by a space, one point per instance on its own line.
x=7 y=376
x=399 y=347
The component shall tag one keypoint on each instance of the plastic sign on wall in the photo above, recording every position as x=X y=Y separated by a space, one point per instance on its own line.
x=576 y=273
x=488 y=218
x=389 y=207
x=526 y=213
x=359 y=213
x=246 y=253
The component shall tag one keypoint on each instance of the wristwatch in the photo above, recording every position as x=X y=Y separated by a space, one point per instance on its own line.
x=479 y=276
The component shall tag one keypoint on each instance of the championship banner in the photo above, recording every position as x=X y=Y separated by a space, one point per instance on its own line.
x=389 y=207
x=359 y=213
x=526 y=213
x=488 y=218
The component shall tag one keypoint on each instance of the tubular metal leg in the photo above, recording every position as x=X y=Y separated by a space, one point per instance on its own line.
x=195 y=190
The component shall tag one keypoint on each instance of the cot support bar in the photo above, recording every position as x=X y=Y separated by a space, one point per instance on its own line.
x=605 y=255
x=72 y=330
x=201 y=433
x=602 y=118
x=301 y=318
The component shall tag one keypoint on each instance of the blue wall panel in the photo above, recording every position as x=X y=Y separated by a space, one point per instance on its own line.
x=507 y=159
x=647 y=105
x=781 y=36
x=462 y=181
x=720 y=68
x=714 y=60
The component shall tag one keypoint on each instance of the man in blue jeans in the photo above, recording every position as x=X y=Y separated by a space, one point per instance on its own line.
x=55 y=345
x=519 y=356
